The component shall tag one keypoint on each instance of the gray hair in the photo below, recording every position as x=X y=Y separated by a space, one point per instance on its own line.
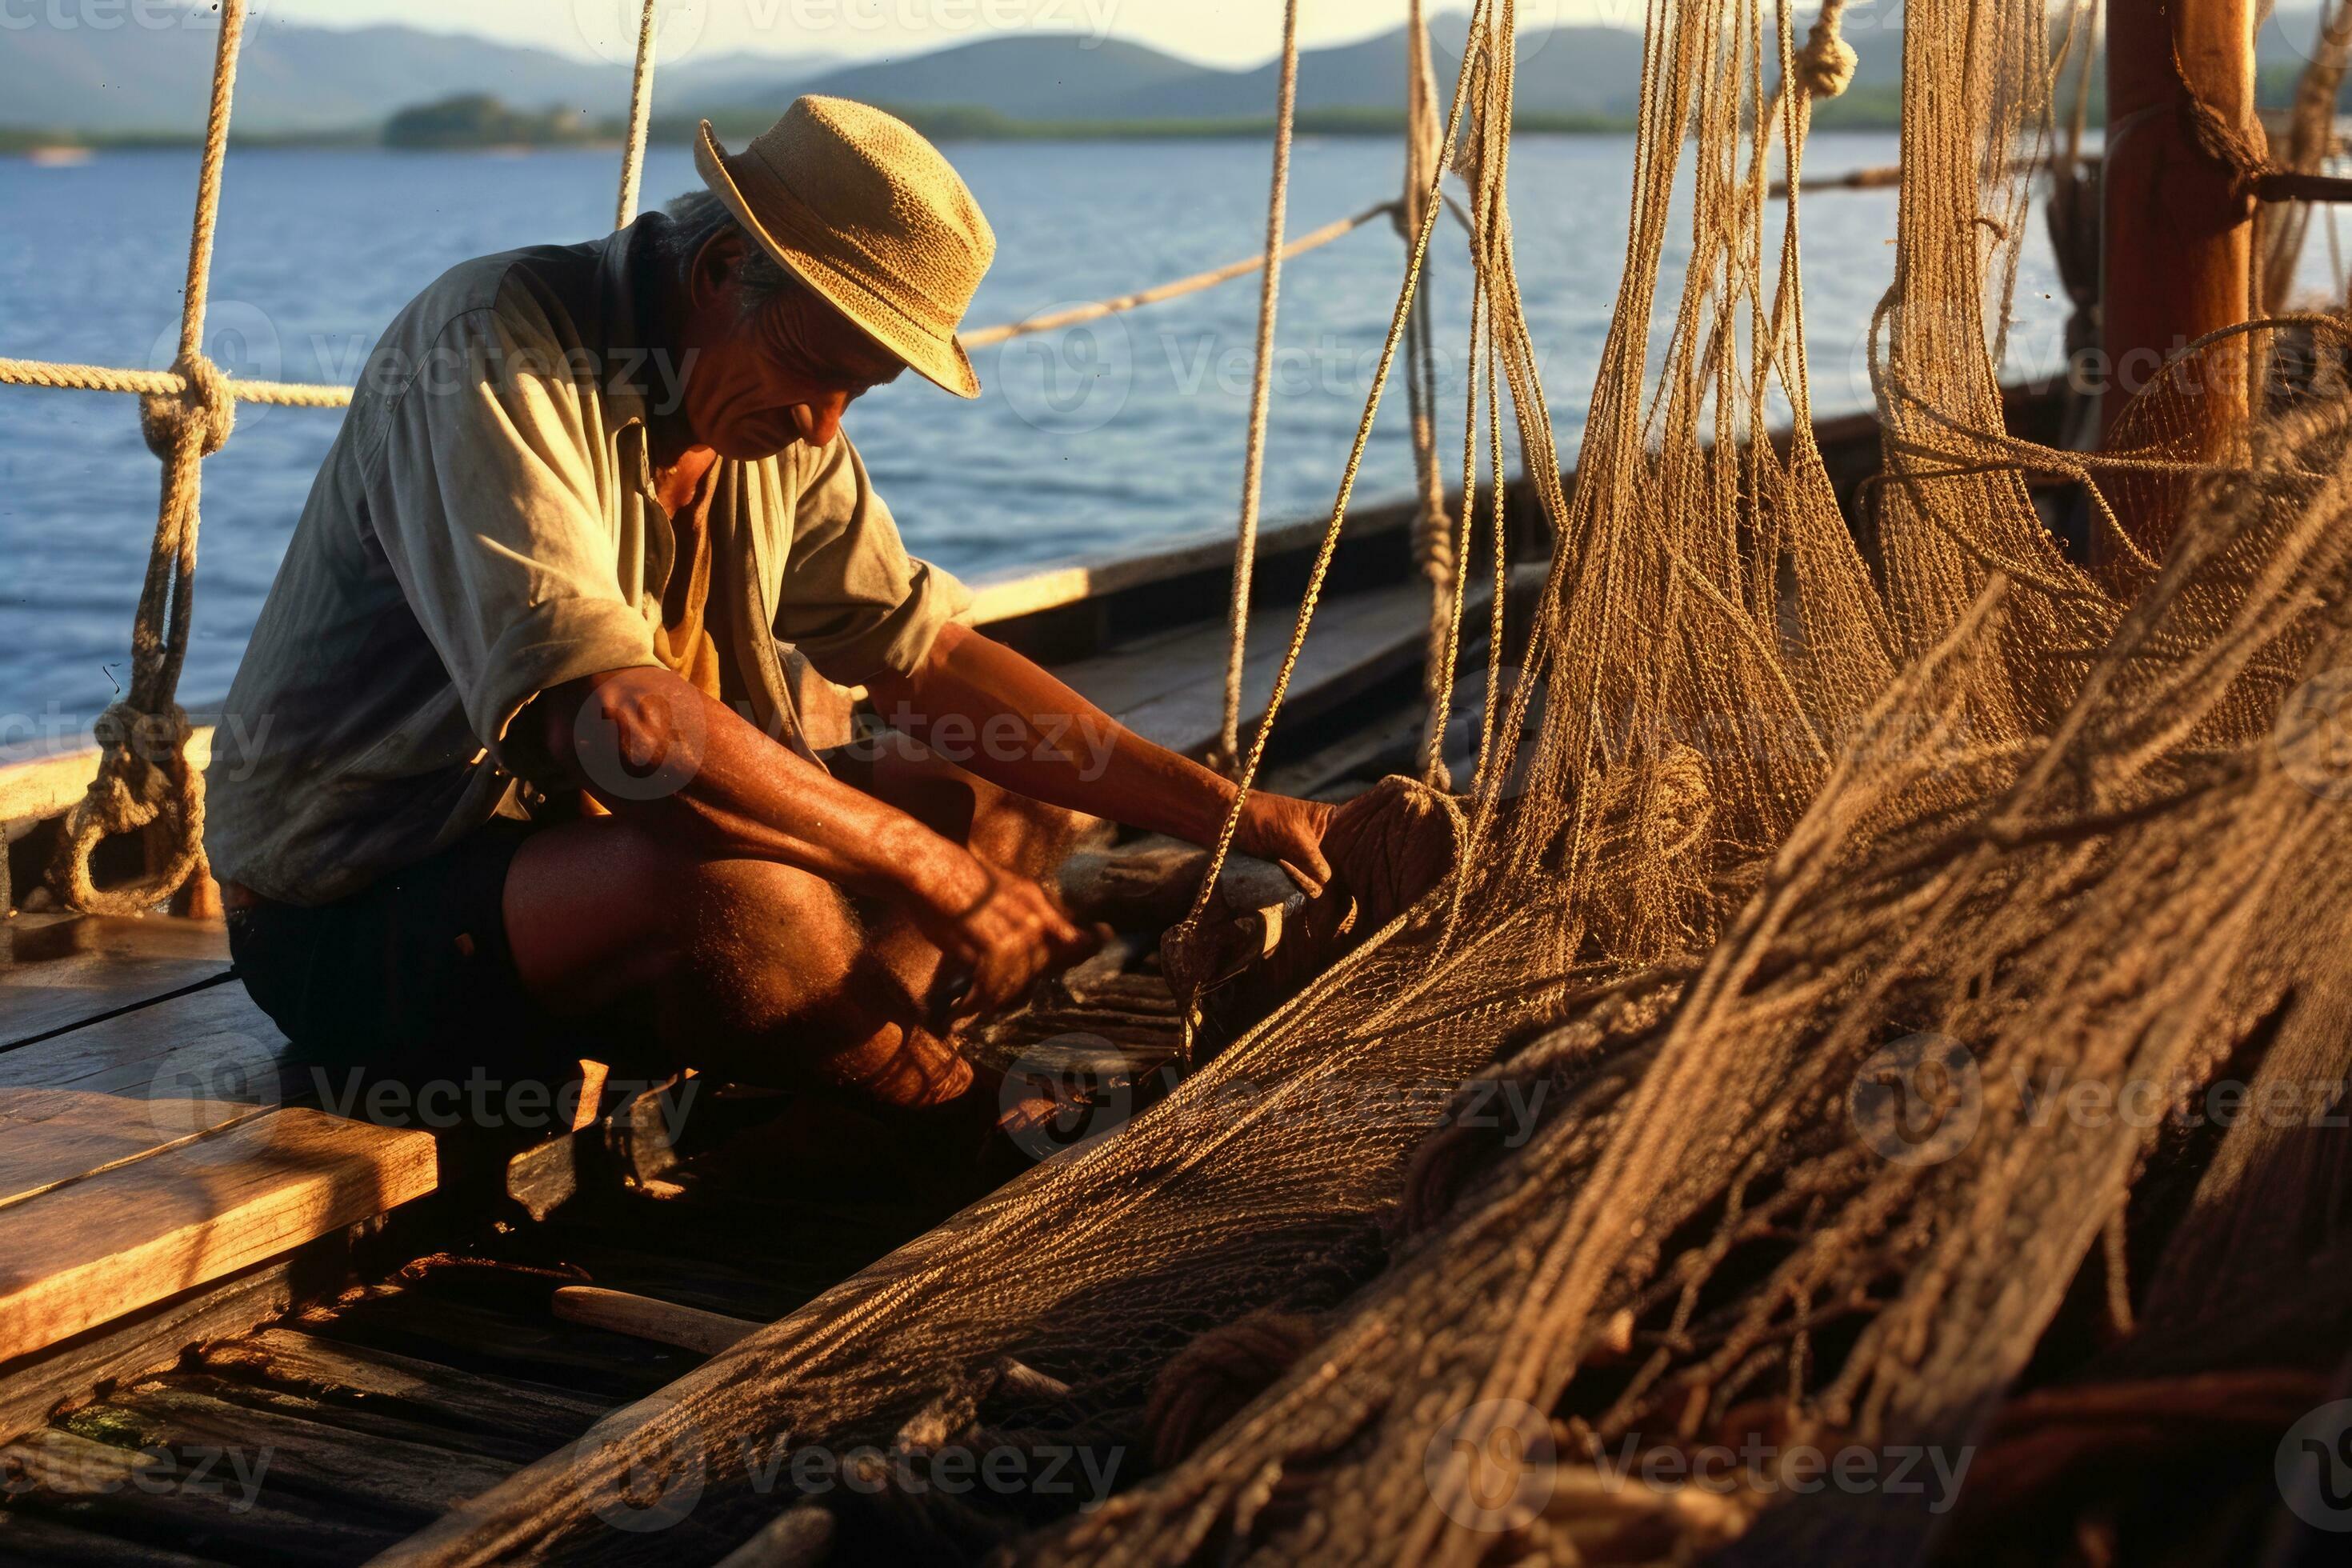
x=694 y=219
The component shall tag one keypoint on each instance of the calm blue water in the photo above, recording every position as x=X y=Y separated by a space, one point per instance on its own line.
x=1117 y=435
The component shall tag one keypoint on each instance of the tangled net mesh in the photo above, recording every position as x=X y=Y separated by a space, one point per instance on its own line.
x=1818 y=873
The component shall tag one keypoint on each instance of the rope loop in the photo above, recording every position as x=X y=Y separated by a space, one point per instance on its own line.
x=143 y=779
x=204 y=408
x=1825 y=66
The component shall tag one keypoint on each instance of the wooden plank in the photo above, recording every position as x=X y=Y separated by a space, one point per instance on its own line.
x=651 y=1317
x=156 y=1497
x=44 y=786
x=211 y=1040
x=1171 y=689
x=67 y=972
x=34 y=1387
x=100 y=1246
x=1000 y=596
x=27 y=1538
x=196 y=1403
x=416 y=1389
x=52 y=1136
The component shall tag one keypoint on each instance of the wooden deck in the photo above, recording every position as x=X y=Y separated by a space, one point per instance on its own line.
x=144 y=1148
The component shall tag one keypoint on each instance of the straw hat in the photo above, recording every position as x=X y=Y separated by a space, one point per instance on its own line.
x=866 y=213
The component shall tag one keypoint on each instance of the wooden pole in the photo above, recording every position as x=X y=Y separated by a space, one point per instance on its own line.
x=2177 y=249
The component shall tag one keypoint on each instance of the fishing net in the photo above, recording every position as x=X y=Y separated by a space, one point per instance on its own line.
x=1823 y=866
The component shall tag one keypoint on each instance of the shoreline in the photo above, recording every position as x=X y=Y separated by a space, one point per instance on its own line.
x=60 y=147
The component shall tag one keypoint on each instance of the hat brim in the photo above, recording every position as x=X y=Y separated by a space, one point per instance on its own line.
x=939 y=360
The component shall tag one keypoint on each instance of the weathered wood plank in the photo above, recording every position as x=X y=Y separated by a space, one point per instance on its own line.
x=1170 y=687
x=416 y=1389
x=157 y=1497
x=29 y=1538
x=67 y=972
x=51 y=1136
x=650 y=1317
x=484 y=1339
x=45 y=786
x=33 y=1387
x=202 y=1045
x=89 y=1251
x=194 y=1403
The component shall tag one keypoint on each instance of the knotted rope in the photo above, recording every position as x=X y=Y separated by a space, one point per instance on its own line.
x=1825 y=66
x=145 y=779
x=1229 y=736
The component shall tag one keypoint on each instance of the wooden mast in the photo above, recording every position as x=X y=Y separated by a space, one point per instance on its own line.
x=2178 y=239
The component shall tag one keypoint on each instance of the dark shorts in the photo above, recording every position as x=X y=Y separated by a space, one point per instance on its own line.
x=410 y=977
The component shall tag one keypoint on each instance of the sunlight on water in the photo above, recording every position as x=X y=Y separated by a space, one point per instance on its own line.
x=1106 y=437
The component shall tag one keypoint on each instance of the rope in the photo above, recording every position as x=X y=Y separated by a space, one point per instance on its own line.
x=641 y=110
x=166 y=383
x=1187 y=931
x=144 y=779
x=1229 y=736
x=1433 y=529
x=319 y=394
x=1825 y=66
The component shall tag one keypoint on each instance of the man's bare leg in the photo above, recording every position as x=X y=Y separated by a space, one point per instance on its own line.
x=752 y=970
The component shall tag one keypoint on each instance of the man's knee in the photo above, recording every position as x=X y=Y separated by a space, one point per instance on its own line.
x=1029 y=835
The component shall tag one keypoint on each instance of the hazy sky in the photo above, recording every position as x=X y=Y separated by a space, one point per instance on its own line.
x=1225 y=32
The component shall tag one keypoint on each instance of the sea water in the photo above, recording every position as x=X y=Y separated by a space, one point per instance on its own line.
x=1110 y=437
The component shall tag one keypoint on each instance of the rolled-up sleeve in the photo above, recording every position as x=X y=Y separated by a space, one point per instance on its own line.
x=485 y=498
x=854 y=603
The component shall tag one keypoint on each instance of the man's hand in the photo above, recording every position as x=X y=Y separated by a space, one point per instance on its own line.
x=1002 y=928
x=1072 y=753
x=1288 y=832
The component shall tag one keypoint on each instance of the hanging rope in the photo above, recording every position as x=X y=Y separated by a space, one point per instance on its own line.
x=1229 y=736
x=641 y=110
x=1186 y=933
x=1433 y=529
x=1825 y=66
x=145 y=779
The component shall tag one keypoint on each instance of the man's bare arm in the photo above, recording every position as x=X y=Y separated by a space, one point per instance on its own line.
x=1015 y=725
x=651 y=748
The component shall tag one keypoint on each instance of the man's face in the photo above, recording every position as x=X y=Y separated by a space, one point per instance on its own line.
x=765 y=378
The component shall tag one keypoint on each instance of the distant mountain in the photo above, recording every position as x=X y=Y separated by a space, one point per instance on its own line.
x=1049 y=77
x=130 y=80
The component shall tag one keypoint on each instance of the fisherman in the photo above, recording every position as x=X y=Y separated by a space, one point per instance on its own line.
x=593 y=527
